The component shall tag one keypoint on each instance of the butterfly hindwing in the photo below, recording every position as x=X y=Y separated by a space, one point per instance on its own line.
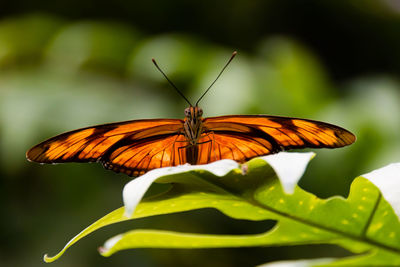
x=137 y=157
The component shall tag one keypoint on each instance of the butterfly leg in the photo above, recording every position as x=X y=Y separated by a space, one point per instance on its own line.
x=173 y=151
x=193 y=152
x=179 y=149
x=181 y=154
x=212 y=146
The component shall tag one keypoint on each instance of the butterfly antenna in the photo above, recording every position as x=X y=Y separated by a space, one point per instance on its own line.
x=226 y=65
x=170 y=82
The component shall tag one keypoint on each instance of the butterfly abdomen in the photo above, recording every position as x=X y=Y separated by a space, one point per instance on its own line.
x=192 y=154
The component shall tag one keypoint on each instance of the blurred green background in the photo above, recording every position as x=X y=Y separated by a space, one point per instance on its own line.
x=70 y=64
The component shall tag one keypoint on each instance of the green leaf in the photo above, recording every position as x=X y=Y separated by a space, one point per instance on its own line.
x=364 y=223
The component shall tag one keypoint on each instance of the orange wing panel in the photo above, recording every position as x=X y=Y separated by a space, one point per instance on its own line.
x=217 y=146
x=139 y=157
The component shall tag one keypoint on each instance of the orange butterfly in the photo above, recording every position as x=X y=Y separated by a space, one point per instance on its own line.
x=135 y=147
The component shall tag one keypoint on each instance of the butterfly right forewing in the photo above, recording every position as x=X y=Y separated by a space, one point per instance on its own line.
x=241 y=137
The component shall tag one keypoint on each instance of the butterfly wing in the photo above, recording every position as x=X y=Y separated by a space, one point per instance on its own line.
x=245 y=136
x=113 y=143
x=135 y=147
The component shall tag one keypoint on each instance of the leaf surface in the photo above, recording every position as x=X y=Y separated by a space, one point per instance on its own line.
x=364 y=223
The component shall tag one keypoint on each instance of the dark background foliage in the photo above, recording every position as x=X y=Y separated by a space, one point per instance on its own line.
x=70 y=64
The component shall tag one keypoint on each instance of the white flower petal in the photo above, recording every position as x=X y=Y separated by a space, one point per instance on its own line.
x=387 y=179
x=289 y=167
x=134 y=191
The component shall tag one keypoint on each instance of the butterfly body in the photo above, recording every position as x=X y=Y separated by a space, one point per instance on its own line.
x=193 y=128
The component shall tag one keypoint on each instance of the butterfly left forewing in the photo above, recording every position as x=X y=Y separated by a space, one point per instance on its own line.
x=94 y=143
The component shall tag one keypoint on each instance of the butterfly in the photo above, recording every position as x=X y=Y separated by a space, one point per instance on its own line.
x=137 y=146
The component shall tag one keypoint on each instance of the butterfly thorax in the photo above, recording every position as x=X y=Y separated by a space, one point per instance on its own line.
x=193 y=125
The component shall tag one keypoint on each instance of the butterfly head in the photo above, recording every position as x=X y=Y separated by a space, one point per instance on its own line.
x=193 y=113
